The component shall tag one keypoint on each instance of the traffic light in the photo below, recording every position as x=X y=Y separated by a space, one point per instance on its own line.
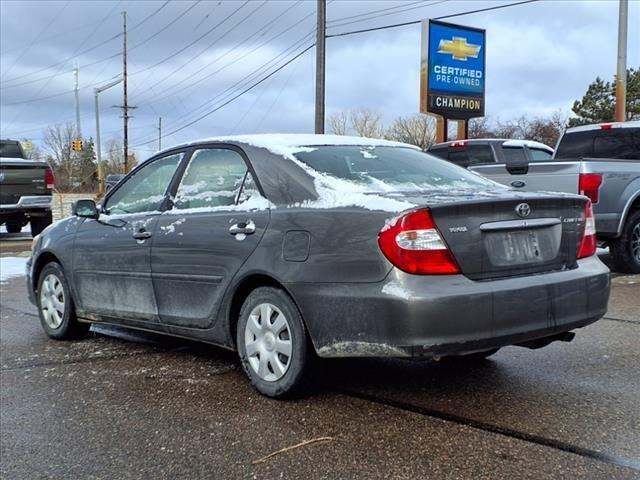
x=76 y=145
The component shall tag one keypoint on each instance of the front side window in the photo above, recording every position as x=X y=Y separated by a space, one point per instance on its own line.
x=383 y=168
x=214 y=178
x=145 y=190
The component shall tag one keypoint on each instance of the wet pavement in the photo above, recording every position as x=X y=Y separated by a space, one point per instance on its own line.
x=121 y=404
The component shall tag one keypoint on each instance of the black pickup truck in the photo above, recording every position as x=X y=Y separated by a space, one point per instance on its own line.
x=26 y=188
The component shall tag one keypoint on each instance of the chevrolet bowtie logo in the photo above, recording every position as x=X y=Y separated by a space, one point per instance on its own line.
x=459 y=49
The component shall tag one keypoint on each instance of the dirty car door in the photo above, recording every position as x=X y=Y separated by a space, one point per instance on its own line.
x=216 y=221
x=111 y=257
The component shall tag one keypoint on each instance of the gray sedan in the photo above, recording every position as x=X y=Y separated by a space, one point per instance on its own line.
x=291 y=247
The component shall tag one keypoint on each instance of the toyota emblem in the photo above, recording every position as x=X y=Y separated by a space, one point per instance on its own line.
x=523 y=209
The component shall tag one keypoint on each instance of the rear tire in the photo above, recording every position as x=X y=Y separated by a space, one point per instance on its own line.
x=55 y=306
x=273 y=345
x=626 y=249
x=38 y=224
x=13 y=227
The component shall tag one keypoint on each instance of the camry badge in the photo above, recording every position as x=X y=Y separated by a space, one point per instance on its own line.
x=523 y=210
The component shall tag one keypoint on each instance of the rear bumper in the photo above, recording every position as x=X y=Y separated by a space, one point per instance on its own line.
x=412 y=315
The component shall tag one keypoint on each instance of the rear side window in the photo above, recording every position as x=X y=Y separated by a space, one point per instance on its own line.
x=539 y=155
x=575 y=145
x=441 y=152
x=471 y=155
x=514 y=155
x=214 y=178
x=619 y=143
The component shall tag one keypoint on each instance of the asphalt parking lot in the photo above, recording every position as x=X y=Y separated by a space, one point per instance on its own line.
x=121 y=404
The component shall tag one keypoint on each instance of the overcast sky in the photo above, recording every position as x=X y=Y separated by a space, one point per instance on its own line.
x=188 y=57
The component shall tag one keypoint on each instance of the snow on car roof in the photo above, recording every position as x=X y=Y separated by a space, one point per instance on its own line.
x=270 y=140
x=528 y=143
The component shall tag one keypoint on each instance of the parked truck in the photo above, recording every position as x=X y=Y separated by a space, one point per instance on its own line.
x=26 y=188
x=600 y=161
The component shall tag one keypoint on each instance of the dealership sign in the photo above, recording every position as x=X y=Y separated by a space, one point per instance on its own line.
x=452 y=70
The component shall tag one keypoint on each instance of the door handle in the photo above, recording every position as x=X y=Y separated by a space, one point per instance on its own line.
x=247 y=228
x=142 y=235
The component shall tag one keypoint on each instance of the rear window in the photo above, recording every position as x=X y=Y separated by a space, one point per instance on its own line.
x=621 y=143
x=384 y=169
x=11 y=150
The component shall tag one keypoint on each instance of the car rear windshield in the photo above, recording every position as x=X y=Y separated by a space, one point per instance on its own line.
x=619 y=143
x=385 y=168
x=10 y=150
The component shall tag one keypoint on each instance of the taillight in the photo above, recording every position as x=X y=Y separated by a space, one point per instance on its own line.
x=589 y=185
x=589 y=244
x=413 y=244
x=49 y=179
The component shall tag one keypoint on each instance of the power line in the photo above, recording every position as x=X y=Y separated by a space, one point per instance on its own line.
x=63 y=62
x=373 y=11
x=243 y=92
x=414 y=22
x=266 y=29
x=342 y=24
x=248 y=79
x=208 y=47
x=53 y=20
x=166 y=26
x=193 y=42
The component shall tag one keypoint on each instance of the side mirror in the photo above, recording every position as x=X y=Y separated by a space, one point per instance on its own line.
x=86 y=209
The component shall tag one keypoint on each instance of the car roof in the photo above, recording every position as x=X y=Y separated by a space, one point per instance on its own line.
x=271 y=140
x=603 y=126
x=505 y=142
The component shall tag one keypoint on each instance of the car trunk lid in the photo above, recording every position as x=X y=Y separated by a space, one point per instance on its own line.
x=501 y=234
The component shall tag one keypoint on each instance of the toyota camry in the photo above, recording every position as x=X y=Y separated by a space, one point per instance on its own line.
x=287 y=248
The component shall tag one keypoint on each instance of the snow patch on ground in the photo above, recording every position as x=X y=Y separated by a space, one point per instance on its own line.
x=11 y=267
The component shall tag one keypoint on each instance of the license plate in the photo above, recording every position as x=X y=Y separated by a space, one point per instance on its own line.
x=514 y=248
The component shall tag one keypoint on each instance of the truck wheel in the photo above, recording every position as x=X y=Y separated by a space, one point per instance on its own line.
x=272 y=343
x=626 y=249
x=38 y=224
x=55 y=306
x=13 y=227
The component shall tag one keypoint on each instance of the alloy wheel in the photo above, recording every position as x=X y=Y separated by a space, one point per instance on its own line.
x=635 y=242
x=267 y=342
x=52 y=301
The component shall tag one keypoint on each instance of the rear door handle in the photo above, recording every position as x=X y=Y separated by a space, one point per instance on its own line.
x=246 y=228
x=142 y=235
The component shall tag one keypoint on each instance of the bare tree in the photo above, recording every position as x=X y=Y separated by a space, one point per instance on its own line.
x=338 y=123
x=417 y=130
x=366 y=123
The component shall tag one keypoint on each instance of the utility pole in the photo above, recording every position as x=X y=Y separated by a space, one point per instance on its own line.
x=75 y=89
x=621 y=77
x=320 y=63
x=125 y=106
x=159 y=133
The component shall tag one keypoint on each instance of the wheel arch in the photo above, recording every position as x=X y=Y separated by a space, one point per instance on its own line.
x=43 y=259
x=242 y=290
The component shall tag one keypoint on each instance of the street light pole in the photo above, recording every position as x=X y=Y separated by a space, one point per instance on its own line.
x=320 y=64
x=96 y=92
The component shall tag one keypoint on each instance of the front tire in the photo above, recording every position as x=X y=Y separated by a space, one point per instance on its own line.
x=55 y=306
x=626 y=249
x=38 y=224
x=272 y=343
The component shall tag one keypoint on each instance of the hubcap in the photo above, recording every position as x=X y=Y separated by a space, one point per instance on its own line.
x=267 y=341
x=52 y=301
x=635 y=242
